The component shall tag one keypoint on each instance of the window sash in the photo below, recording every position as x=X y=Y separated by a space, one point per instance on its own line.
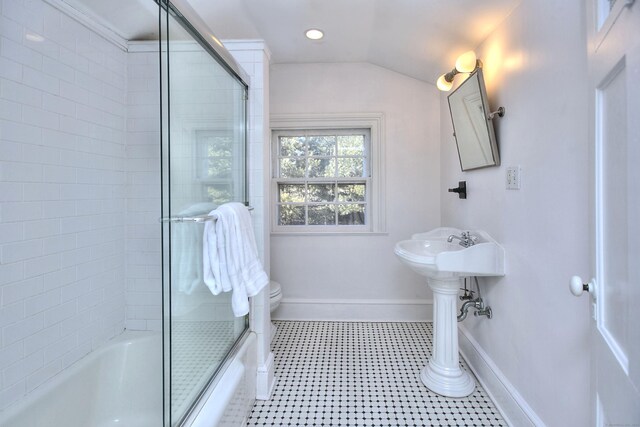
x=335 y=180
x=366 y=156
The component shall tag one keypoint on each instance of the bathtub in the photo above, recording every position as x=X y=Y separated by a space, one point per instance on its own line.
x=120 y=384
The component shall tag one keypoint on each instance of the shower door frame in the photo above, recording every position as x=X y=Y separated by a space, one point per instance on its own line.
x=183 y=14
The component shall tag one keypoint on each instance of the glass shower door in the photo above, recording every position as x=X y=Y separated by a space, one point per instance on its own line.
x=204 y=166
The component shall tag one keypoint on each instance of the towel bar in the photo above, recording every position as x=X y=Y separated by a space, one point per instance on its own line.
x=197 y=218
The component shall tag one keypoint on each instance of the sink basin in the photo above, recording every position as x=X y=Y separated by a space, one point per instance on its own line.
x=429 y=254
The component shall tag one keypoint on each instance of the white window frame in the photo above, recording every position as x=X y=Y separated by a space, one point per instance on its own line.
x=375 y=213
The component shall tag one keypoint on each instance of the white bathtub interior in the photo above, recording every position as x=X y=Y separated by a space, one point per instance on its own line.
x=118 y=384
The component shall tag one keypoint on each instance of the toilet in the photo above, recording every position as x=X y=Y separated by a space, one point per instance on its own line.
x=275 y=296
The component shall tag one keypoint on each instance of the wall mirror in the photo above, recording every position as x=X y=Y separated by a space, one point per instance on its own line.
x=473 y=125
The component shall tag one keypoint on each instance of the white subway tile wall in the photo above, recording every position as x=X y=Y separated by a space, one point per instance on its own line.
x=253 y=57
x=63 y=196
x=143 y=232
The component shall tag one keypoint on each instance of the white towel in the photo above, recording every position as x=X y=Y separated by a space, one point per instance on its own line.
x=187 y=260
x=230 y=257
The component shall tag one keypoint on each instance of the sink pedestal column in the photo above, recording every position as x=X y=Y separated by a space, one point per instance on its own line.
x=443 y=374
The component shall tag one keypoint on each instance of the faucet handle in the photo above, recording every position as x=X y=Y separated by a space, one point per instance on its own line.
x=467 y=235
x=468 y=294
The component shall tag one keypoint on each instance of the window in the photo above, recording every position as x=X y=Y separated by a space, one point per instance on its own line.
x=324 y=179
x=220 y=166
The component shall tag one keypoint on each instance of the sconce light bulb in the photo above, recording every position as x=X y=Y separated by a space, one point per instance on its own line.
x=443 y=84
x=466 y=62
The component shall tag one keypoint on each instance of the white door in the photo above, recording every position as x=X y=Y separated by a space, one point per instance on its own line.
x=614 y=84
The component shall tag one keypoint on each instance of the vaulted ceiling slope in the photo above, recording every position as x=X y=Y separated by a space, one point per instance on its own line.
x=418 y=38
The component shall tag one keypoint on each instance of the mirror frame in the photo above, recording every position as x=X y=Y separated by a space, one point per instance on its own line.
x=490 y=132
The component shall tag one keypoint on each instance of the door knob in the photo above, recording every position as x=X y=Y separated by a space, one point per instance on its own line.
x=577 y=286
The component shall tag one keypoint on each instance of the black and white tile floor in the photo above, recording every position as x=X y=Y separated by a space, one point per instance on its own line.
x=197 y=349
x=361 y=374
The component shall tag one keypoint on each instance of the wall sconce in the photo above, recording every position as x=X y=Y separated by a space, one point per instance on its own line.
x=466 y=63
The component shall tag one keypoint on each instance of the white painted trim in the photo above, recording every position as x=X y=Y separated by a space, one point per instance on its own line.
x=247 y=44
x=143 y=46
x=603 y=27
x=266 y=378
x=514 y=409
x=176 y=46
x=362 y=310
x=373 y=121
x=326 y=233
x=94 y=23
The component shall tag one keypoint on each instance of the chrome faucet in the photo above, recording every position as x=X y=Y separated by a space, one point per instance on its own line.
x=466 y=239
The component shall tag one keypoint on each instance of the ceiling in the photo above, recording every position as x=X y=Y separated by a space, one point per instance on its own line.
x=418 y=38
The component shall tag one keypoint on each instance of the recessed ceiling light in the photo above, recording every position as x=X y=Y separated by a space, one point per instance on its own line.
x=314 y=34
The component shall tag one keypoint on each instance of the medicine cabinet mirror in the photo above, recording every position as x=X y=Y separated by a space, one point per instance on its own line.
x=473 y=125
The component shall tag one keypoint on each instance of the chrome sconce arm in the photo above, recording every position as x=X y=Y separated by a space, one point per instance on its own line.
x=466 y=63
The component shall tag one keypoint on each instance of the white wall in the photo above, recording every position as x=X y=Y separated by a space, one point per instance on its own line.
x=143 y=234
x=535 y=66
x=62 y=193
x=355 y=276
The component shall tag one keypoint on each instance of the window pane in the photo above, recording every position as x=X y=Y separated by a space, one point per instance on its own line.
x=291 y=193
x=322 y=168
x=218 y=193
x=321 y=193
x=351 y=167
x=291 y=146
x=292 y=168
x=219 y=168
x=219 y=146
x=351 y=192
x=291 y=215
x=351 y=214
x=351 y=145
x=322 y=215
x=322 y=145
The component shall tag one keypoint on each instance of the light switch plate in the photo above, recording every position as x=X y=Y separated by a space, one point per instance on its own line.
x=513 y=178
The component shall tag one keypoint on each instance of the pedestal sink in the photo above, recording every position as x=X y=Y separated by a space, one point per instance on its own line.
x=444 y=264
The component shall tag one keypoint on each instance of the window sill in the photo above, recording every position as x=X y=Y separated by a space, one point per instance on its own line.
x=327 y=233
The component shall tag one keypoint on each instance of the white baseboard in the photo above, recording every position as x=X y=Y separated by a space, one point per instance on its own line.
x=514 y=409
x=265 y=381
x=363 y=310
